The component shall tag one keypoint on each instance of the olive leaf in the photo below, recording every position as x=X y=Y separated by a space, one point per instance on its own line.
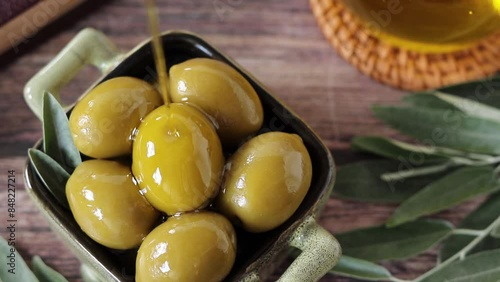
x=452 y=129
x=491 y=99
x=478 y=219
x=427 y=100
x=44 y=273
x=471 y=107
x=360 y=269
x=51 y=173
x=422 y=160
x=361 y=181
x=496 y=233
x=17 y=270
x=383 y=243
x=483 y=267
x=393 y=149
x=460 y=127
x=57 y=140
x=90 y=275
x=450 y=190
x=486 y=91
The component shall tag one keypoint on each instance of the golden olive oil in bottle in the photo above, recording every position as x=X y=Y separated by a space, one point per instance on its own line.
x=428 y=25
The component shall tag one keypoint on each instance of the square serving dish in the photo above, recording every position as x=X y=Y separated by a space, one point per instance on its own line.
x=257 y=253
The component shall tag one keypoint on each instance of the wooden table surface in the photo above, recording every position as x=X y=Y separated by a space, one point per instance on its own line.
x=278 y=41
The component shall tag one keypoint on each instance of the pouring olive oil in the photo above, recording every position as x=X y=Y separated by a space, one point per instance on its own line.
x=428 y=25
x=159 y=55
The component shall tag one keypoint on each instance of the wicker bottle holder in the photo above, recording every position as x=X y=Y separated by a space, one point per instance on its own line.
x=398 y=67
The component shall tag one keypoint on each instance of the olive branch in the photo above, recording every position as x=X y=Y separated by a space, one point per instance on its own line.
x=456 y=157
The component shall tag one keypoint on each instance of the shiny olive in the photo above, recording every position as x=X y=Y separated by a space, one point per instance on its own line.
x=198 y=246
x=222 y=92
x=103 y=121
x=177 y=158
x=107 y=204
x=265 y=181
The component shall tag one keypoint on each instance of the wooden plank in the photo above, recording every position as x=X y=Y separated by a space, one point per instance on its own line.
x=31 y=20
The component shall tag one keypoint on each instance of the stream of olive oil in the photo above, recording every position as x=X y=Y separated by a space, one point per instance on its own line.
x=159 y=55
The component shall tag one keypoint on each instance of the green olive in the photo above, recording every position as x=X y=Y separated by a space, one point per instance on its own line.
x=265 y=181
x=220 y=91
x=177 y=158
x=104 y=120
x=199 y=246
x=107 y=204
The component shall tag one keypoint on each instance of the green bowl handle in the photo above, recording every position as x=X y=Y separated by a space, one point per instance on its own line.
x=89 y=46
x=320 y=253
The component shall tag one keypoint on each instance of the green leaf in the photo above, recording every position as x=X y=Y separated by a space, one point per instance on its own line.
x=382 y=243
x=44 y=273
x=57 y=140
x=478 y=219
x=484 y=214
x=397 y=150
x=361 y=182
x=427 y=100
x=89 y=274
x=496 y=233
x=450 y=190
x=51 y=173
x=12 y=265
x=452 y=129
x=471 y=107
x=481 y=267
x=486 y=91
x=360 y=269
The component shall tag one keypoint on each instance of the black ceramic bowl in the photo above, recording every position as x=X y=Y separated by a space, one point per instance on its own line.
x=257 y=253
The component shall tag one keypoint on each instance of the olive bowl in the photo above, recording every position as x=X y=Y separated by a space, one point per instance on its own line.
x=257 y=254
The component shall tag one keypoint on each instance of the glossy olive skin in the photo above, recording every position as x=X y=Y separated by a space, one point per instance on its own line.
x=107 y=204
x=103 y=121
x=220 y=91
x=177 y=159
x=265 y=181
x=199 y=246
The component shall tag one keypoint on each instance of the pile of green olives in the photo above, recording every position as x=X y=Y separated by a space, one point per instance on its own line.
x=170 y=180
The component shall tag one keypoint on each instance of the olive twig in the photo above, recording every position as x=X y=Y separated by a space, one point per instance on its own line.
x=468 y=232
x=453 y=162
x=395 y=279
x=395 y=176
x=463 y=252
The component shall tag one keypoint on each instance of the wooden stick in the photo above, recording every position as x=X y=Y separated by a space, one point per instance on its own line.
x=22 y=27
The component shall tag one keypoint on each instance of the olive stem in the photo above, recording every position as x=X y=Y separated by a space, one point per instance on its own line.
x=395 y=279
x=463 y=252
x=453 y=162
x=448 y=152
x=159 y=55
x=398 y=175
x=468 y=232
